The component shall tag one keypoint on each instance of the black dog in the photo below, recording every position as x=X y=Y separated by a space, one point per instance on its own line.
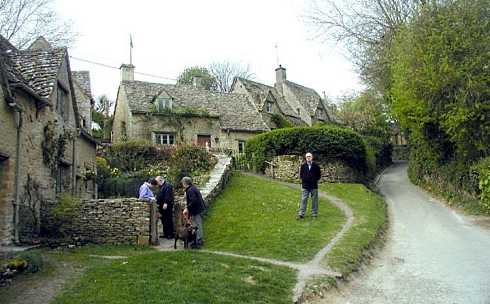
x=187 y=233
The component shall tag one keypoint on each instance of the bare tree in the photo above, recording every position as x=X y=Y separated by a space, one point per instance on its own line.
x=22 y=21
x=224 y=72
x=103 y=105
x=365 y=27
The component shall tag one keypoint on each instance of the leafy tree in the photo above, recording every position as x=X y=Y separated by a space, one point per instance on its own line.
x=207 y=81
x=102 y=116
x=224 y=72
x=440 y=86
x=366 y=114
x=22 y=21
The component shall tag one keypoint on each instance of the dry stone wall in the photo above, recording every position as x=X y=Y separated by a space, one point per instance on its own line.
x=286 y=168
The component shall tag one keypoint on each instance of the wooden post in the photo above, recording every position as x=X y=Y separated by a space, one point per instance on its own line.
x=154 y=240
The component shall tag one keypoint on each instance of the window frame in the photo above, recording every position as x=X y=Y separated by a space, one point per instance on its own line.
x=168 y=136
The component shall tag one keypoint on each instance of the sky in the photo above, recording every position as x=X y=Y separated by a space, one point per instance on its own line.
x=170 y=35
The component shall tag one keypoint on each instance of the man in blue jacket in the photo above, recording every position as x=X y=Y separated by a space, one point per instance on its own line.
x=309 y=173
x=195 y=206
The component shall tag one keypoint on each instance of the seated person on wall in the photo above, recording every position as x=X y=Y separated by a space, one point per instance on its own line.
x=146 y=190
x=165 y=201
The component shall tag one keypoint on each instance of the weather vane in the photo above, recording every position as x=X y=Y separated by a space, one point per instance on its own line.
x=276 y=46
x=130 y=49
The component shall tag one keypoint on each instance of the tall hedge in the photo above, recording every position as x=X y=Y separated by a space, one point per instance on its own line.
x=326 y=143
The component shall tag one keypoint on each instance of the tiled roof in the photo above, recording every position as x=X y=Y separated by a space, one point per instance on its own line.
x=235 y=111
x=259 y=92
x=307 y=97
x=83 y=79
x=39 y=68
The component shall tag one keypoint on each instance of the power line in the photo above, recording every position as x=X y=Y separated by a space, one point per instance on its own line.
x=116 y=68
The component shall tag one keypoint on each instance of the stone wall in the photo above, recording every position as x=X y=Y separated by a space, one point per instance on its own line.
x=112 y=221
x=126 y=220
x=286 y=168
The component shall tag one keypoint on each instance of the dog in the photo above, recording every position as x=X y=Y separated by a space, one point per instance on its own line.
x=187 y=233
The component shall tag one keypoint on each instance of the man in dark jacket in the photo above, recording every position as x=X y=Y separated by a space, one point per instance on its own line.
x=309 y=174
x=195 y=206
x=165 y=201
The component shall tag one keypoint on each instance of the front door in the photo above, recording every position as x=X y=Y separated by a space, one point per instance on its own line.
x=203 y=139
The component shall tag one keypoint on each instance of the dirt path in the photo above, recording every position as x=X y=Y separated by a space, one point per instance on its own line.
x=306 y=271
x=39 y=288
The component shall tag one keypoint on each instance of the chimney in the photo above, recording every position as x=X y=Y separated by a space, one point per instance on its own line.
x=127 y=72
x=197 y=82
x=280 y=74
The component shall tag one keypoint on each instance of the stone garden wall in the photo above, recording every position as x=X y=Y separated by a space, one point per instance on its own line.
x=286 y=168
x=126 y=220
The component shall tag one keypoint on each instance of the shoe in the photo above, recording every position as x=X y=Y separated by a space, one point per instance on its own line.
x=300 y=217
x=314 y=216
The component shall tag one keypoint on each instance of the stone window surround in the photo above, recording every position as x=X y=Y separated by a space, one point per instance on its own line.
x=268 y=106
x=241 y=145
x=163 y=138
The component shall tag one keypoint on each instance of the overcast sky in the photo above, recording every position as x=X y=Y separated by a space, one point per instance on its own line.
x=170 y=35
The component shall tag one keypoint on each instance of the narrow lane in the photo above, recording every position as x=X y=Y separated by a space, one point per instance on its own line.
x=432 y=255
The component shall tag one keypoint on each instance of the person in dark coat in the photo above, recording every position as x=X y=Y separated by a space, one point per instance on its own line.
x=309 y=173
x=195 y=206
x=165 y=201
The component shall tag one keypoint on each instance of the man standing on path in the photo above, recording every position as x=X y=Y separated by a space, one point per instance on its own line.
x=195 y=206
x=310 y=174
x=165 y=201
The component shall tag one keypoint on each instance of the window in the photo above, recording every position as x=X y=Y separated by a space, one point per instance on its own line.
x=241 y=146
x=297 y=110
x=163 y=138
x=63 y=179
x=268 y=107
x=321 y=114
x=163 y=104
x=62 y=104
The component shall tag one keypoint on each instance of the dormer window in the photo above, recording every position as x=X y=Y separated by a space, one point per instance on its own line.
x=321 y=114
x=268 y=107
x=163 y=104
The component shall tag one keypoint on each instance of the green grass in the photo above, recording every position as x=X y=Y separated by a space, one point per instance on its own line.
x=181 y=277
x=254 y=216
x=369 y=218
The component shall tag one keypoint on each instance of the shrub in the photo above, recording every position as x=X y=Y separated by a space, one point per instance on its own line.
x=136 y=155
x=34 y=260
x=484 y=183
x=189 y=161
x=382 y=149
x=65 y=211
x=326 y=142
x=280 y=121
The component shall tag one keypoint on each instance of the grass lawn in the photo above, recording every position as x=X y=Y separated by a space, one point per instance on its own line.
x=369 y=217
x=178 y=277
x=256 y=217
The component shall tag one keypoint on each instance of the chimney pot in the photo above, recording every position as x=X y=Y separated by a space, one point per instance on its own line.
x=280 y=74
x=127 y=72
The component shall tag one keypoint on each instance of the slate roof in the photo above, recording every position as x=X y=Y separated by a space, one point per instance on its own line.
x=83 y=79
x=307 y=97
x=259 y=92
x=235 y=111
x=39 y=68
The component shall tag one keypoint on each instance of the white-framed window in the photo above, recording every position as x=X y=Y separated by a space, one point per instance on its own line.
x=268 y=106
x=241 y=146
x=161 y=138
x=163 y=103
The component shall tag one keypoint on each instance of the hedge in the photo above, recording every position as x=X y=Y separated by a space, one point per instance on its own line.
x=326 y=143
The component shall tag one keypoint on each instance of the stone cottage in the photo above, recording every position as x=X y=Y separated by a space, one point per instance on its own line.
x=45 y=149
x=298 y=104
x=168 y=114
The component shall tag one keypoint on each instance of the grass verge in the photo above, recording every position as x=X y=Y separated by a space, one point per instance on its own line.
x=181 y=277
x=369 y=219
x=256 y=217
